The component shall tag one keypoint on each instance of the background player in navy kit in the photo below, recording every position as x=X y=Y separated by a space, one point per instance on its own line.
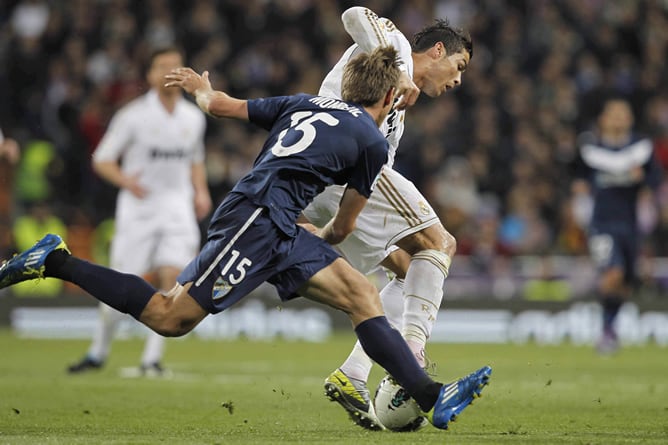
x=613 y=166
x=253 y=235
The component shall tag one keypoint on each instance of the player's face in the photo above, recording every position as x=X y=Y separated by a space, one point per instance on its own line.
x=617 y=116
x=161 y=66
x=445 y=73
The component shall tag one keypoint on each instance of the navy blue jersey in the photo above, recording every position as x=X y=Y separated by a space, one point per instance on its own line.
x=610 y=172
x=313 y=142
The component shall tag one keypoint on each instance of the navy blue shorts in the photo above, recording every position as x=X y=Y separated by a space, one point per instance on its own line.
x=245 y=248
x=612 y=247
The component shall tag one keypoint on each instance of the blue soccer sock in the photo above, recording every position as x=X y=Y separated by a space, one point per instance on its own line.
x=388 y=348
x=611 y=303
x=124 y=292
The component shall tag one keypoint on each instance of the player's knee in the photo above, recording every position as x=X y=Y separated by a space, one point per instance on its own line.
x=165 y=319
x=368 y=301
x=448 y=244
x=173 y=327
x=434 y=237
x=612 y=281
x=362 y=299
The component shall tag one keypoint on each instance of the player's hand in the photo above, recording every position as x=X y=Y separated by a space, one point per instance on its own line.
x=133 y=186
x=308 y=226
x=407 y=92
x=202 y=205
x=9 y=149
x=637 y=174
x=189 y=80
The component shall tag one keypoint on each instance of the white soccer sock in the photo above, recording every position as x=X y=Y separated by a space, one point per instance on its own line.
x=423 y=294
x=358 y=364
x=392 y=299
x=153 y=349
x=107 y=323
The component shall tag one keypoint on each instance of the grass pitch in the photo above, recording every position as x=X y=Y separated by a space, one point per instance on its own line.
x=253 y=392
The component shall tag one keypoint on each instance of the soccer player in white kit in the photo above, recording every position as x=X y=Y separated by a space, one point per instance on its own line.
x=153 y=151
x=396 y=214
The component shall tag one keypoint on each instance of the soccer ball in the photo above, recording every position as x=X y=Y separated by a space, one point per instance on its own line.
x=395 y=409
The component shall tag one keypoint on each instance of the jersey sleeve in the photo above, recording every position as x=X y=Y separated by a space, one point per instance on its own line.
x=116 y=139
x=653 y=172
x=370 y=31
x=578 y=167
x=368 y=167
x=365 y=27
x=264 y=112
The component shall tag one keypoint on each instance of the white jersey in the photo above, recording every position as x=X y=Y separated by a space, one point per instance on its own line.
x=160 y=147
x=396 y=208
x=369 y=31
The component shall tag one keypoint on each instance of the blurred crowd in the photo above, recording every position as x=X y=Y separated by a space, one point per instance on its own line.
x=494 y=156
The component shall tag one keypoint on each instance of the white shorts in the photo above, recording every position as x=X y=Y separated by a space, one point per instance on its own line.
x=144 y=242
x=395 y=210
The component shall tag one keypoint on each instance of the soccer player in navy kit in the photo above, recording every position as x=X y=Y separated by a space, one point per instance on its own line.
x=613 y=165
x=253 y=236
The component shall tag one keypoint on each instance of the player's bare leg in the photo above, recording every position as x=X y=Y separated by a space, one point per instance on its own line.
x=344 y=288
x=430 y=250
x=612 y=291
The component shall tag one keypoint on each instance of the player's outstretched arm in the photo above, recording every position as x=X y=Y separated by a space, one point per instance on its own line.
x=212 y=102
x=369 y=32
x=365 y=27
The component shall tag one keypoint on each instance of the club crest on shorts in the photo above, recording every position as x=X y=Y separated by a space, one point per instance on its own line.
x=220 y=288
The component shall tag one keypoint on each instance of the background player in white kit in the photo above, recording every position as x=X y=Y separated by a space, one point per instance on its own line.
x=153 y=152
x=396 y=213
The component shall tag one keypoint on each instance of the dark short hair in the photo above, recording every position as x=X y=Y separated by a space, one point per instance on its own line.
x=612 y=96
x=454 y=39
x=157 y=52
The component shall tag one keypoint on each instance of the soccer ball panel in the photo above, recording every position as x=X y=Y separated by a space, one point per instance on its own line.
x=395 y=409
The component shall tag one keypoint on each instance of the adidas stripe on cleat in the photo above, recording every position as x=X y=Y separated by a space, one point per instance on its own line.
x=455 y=397
x=29 y=264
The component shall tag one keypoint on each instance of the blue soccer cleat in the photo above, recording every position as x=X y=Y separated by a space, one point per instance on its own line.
x=29 y=264
x=456 y=396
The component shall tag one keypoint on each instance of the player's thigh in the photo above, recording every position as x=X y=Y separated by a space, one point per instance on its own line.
x=405 y=210
x=176 y=247
x=178 y=243
x=395 y=210
x=606 y=249
x=342 y=287
x=132 y=248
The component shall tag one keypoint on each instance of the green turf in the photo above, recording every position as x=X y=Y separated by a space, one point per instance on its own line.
x=249 y=392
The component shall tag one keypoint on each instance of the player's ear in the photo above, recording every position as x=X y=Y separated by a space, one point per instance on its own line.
x=389 y=97
x=438 y=50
